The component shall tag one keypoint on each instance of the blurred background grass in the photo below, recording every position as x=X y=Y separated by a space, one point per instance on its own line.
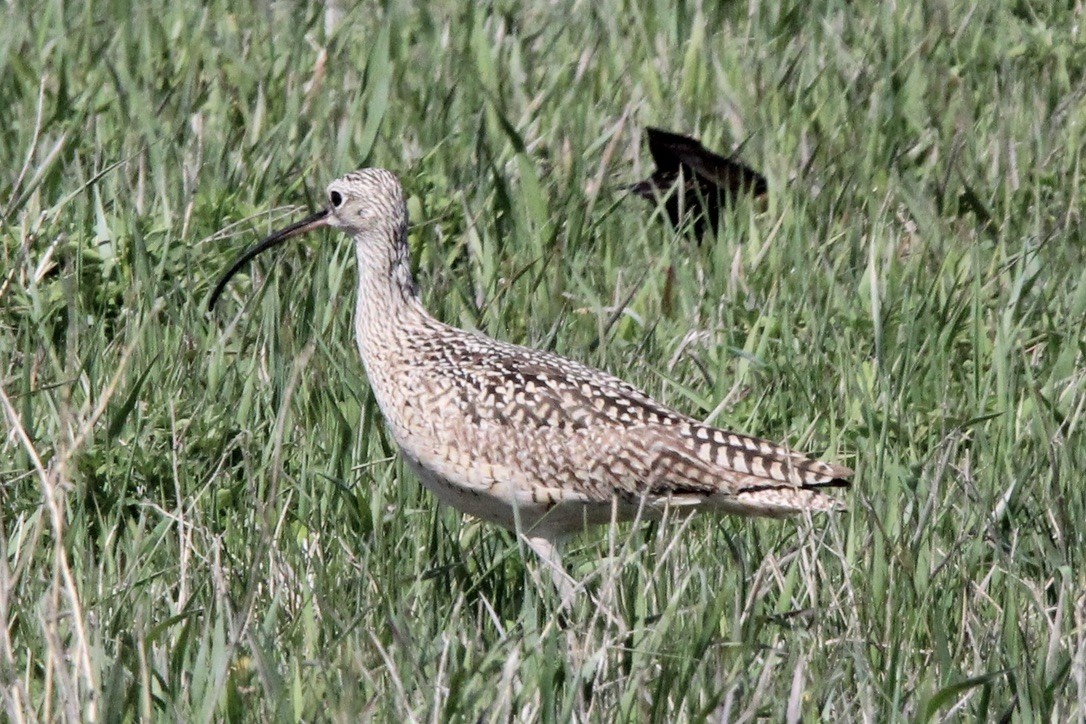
x=203 y=518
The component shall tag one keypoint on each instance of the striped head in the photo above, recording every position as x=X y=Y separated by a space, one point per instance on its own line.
x=370 y=199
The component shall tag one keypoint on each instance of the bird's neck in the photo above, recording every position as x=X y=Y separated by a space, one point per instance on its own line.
x=388 y=305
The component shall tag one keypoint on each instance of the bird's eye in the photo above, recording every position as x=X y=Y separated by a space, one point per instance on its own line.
x=336 y=198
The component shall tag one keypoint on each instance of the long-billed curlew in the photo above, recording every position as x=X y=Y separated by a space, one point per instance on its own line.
x=529 y=440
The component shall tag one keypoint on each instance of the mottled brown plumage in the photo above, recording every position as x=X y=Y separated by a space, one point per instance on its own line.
x=526 y=439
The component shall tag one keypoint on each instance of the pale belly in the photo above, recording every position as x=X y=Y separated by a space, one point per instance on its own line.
x=550 y=520
x=473 y=502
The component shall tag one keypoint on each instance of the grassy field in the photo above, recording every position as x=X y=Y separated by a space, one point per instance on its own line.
x=203 y=517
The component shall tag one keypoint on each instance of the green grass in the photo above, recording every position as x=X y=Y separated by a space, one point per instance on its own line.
x=203 y=517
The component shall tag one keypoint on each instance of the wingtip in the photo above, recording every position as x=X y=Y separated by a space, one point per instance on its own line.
x=841 y=475
x=831 y=474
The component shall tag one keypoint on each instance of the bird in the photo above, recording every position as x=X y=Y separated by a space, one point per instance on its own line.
x=523 y=438
x=693 y=181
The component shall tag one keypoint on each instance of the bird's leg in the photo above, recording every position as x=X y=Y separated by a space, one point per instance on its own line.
x=567 y=586
x=548 y=553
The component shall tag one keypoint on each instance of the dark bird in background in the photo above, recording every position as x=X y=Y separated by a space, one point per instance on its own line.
x=692 y=180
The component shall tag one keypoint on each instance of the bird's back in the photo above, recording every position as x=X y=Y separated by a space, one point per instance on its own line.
x=507 y=432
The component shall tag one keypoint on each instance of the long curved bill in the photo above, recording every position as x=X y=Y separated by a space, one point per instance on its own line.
x=309 y=223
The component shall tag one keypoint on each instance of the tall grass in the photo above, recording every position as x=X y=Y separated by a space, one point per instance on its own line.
x=203 y=517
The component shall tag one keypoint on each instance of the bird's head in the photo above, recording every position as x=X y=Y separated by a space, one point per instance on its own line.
x=367 y=204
